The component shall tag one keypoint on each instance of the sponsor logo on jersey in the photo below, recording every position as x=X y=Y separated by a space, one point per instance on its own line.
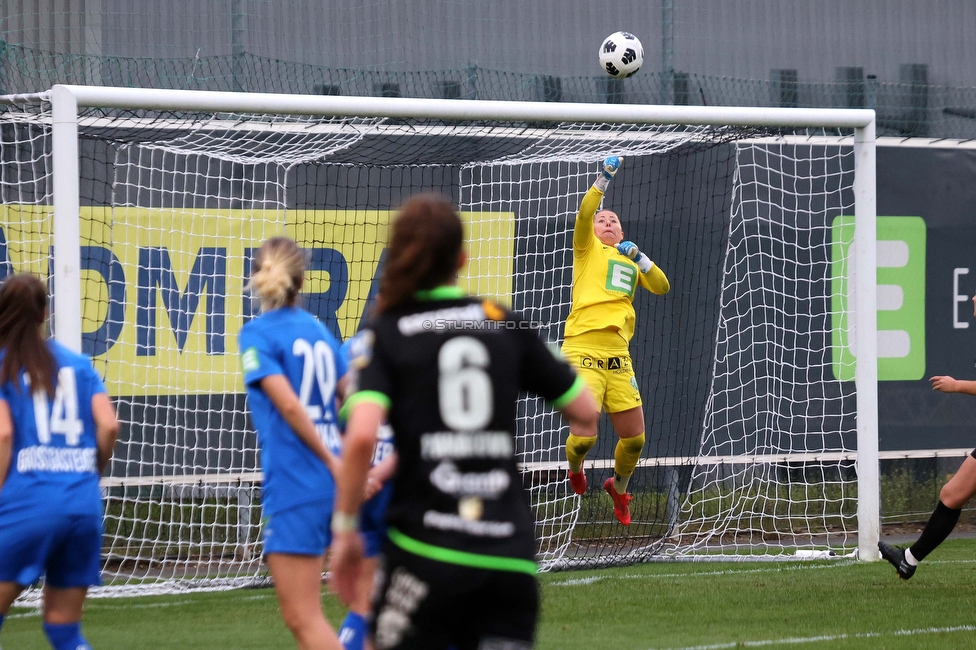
x=448 y=479
x=609 y=363
x=471 y=508
x=424 y=321
x=621 y=277
x=448 y=521
x=249 y=360
x=458 y=445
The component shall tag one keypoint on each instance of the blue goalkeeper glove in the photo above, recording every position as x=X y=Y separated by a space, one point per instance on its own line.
x=629 y=250
x=610 y=166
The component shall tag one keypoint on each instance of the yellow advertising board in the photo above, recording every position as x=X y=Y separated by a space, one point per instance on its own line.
x=163 y=290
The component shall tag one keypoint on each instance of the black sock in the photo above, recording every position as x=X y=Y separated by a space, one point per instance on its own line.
x=940 y=524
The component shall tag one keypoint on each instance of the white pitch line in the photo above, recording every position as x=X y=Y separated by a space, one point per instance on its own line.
x=833 y=564
x=174 y=603
x=829 y=637
x=727 y=572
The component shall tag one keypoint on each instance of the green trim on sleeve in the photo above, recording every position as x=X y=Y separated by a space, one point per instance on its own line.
x=445 y=292
x=461 y=558
x=578 y=386
x=372 y=396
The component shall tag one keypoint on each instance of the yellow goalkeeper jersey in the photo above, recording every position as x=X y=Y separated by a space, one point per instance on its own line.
x=604 y=280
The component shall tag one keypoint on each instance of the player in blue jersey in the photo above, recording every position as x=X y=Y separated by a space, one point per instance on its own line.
x=57 y=433
x=352 y=632
x=291 y=370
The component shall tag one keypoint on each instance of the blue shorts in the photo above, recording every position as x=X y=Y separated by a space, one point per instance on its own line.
x=372 y=521
x=300 y=530
x=66 y=549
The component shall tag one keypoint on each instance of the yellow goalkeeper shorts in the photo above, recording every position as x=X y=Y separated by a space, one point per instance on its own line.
x=610 y=377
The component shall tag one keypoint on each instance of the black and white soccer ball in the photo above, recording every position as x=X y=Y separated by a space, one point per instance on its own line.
x=621 y=54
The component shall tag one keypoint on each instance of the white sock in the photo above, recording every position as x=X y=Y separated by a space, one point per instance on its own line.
x=910 y=558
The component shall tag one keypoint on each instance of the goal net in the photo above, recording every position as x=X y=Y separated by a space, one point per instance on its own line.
x=751 y=411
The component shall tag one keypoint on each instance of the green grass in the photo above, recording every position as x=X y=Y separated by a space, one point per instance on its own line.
x=669 y=605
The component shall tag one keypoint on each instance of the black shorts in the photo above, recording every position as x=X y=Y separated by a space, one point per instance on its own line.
x=428 y=605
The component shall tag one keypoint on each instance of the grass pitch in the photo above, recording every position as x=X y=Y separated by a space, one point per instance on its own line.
x=837 y=604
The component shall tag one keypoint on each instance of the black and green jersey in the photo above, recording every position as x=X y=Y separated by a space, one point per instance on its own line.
x=449 y=369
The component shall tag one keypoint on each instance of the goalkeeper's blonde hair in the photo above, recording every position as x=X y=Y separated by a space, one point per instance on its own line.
x=278 y=273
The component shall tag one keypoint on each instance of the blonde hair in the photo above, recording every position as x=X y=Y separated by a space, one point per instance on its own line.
x=278 y=273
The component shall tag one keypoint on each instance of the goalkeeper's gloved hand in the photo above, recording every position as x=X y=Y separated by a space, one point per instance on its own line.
x=610 y=166
x=629 y=249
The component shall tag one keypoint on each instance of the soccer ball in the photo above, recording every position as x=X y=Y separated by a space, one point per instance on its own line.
x=621 y=54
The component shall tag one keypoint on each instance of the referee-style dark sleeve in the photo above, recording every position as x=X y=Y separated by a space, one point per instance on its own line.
x=545 y=373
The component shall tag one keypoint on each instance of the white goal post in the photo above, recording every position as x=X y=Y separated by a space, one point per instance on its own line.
x=69 y=104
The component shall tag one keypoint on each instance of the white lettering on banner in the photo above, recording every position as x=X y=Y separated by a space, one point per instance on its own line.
x=56 y=459
x=424 y=322
x=958 y=298
x=445 y=521
x=485 y=444
x=449 y=480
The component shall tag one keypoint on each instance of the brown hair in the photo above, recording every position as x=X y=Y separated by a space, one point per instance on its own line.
x=23 y=302
x=425 y=240
x=278 y=273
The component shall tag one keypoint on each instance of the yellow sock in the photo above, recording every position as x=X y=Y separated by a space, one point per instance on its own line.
x=625 y=457
x=576 y=448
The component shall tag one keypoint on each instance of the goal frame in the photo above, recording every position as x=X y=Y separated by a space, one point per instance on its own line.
x=66 y=100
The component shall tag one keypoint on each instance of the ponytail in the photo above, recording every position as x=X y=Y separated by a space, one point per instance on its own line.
x=23 y=305
x=279 y=270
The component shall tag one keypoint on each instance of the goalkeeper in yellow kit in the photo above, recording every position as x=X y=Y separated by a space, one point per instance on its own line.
x=606 y=273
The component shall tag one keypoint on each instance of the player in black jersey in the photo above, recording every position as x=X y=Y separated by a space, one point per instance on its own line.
x=446 y=370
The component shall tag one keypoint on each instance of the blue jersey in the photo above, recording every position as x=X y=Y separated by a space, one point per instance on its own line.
x=293 y=343
x=54 y=467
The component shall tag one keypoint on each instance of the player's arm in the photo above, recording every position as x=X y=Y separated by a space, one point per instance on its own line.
x=106 y=428
x=367 y=409
x=346 y=554
x=6 y=440
x=282 y=395
x=365 y=417
x=583 y=235
x=581 y=413
x=947 y=384
x=652 y=277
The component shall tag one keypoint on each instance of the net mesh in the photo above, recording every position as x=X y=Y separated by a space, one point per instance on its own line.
x=749 y=435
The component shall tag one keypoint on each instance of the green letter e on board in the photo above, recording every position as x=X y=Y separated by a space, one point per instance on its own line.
x=901 y=298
